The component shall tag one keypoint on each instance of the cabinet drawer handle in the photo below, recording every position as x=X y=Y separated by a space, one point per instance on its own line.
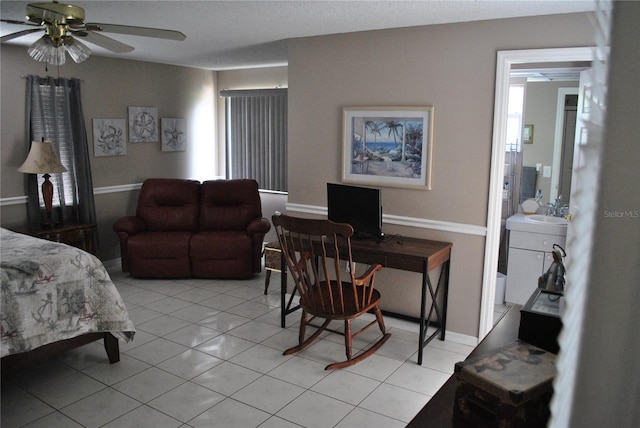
x=544 y=243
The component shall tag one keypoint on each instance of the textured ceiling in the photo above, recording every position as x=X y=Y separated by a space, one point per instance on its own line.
x=241 y=34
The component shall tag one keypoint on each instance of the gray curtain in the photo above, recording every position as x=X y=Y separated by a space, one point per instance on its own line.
x=256 y=135
x=54 y=112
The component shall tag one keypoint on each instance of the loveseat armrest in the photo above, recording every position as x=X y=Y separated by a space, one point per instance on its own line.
x=259 y=225
x=130 y=225
x=125 y=227
x=257 y=228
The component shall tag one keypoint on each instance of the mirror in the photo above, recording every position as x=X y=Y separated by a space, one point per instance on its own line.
x=549 y=116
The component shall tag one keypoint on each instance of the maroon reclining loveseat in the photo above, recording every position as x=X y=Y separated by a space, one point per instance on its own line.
x=184 y=228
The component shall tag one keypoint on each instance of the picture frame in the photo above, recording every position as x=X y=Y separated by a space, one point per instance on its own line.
x=174 y=134
x=143 y=124
x=109 y=137
x=388 y=146
x=527 y=134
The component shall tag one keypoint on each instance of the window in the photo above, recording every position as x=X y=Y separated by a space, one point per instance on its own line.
x=55 y=114
x=256 y=136
x=49 y=119
x=514 y=118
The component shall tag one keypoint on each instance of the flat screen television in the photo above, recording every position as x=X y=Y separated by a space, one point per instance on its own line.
x=361 y=207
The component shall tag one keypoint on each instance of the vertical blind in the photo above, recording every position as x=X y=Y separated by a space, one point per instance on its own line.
x=256 y=136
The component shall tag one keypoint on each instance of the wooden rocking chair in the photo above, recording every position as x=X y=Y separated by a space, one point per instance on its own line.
x=313 y=250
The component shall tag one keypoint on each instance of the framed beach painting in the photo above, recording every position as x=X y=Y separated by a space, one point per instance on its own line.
x=109 y=137
x=388 y=146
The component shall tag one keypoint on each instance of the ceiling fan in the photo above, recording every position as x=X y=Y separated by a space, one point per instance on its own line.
x=64 y=25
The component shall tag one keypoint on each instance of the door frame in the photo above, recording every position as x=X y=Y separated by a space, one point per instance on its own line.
x=505 y=60
x=558 y=143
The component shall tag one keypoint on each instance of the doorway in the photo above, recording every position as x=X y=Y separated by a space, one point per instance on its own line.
x=506 y=60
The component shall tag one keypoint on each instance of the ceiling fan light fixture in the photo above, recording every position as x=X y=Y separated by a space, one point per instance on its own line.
x=44 y=50
x=50 y=51
x=77 y=50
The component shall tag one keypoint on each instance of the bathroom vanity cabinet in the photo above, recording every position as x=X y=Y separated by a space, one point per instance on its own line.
x=530 y=255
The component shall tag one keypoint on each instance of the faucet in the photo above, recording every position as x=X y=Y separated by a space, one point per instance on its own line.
x=556 y=209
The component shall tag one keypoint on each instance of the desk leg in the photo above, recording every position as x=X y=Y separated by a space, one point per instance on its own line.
x=285 y=307
x=283 y=292
x=441 y=313
x=423 y=308
x=445 y=285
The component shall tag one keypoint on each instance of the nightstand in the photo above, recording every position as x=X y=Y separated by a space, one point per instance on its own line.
x=77 y=235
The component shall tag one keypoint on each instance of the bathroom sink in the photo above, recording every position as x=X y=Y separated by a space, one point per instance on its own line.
x=546 y=219
x=538 y=223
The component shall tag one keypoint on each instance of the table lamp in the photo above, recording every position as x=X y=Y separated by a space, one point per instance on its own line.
x=42 y=159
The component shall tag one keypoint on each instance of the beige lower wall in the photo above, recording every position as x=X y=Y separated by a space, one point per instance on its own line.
x=401 y=290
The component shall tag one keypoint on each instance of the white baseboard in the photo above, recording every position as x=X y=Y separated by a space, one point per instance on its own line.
x=463 y=339
x=414 y=327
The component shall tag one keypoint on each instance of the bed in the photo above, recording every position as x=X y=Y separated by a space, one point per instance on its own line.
x=55 y=297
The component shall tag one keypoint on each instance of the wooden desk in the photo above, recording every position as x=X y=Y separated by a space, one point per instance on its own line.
x=438 y=412
x=77 y=235
x=409 y=254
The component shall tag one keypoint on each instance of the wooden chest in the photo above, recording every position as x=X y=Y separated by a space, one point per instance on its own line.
x=509 y=387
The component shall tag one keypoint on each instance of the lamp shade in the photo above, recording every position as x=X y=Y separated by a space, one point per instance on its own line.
x=42 y=159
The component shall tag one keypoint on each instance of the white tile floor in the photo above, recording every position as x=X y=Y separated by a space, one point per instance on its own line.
x=208 y=353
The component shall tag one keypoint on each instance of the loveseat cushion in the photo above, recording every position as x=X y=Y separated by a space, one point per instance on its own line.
x=222 y=254
x=160 y=254
x=168 y=204
x=229 y=204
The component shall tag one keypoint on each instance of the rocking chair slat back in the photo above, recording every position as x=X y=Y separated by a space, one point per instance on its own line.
x=313 y=250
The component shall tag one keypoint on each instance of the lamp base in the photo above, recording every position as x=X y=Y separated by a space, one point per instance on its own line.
x=47 y=196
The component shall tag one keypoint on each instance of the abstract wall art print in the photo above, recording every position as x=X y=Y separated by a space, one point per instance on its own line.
x=143 y=124
x=174 y=134
x=109 y=137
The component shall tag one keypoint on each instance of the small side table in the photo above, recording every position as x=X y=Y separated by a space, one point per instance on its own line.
x=272 y=261
x=77 y=235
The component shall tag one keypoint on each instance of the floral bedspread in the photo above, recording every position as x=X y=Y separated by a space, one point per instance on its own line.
x=52 y=292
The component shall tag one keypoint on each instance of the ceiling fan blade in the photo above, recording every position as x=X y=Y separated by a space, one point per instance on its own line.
x=12 y=36
x=104 y=41
x=137 y=31
x=16 y=22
